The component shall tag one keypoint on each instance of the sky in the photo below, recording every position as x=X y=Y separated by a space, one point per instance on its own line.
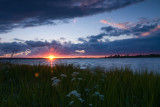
x=79 y=28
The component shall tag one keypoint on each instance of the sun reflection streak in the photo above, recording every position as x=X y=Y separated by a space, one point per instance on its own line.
x=51 y=58
x=51 y=66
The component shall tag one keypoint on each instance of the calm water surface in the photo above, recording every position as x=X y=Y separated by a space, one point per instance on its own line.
x=151 y=64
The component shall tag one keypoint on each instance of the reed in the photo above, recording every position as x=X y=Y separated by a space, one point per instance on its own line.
x=70 y=86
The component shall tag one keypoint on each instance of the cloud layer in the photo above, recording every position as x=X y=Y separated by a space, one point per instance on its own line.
x=144 y=27
x=27 y=13
x=145 y=40
x=144 y=45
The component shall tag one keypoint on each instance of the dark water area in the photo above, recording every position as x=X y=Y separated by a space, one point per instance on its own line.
x=150 y=64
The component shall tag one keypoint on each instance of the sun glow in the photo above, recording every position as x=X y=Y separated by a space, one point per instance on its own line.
x=51 y=57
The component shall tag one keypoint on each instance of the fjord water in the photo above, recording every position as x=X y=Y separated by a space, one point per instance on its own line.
x=150 y=64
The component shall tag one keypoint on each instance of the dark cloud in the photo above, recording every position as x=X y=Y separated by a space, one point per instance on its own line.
x=134 y=29
x=143 y=28
x=108 y=28
x=19 y=40
x=27 y=13
x=128 y=46
x=143 y=45
x=8 y=48
x=81 y=39
x=37 y=43
x=95 y=38
x=62 y=38
x=137 y=29
x=148 y=41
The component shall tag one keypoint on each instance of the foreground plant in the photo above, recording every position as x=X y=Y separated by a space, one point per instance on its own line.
x=68 y=85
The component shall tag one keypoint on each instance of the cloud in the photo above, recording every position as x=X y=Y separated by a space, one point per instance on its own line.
x=62 y=38
x=118 y=25
x=128 y=46
x=108 y=29
x=148 y=41
x=19 y=40
x=155 y=29
x=143 y=27
x=80 y=51
x=96 y=38
x=28 y=13
x=82 y=39
x=74 y=21
x=8 y=49
x=144 y=45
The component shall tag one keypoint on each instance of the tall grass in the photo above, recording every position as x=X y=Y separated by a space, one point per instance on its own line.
x=31 y=86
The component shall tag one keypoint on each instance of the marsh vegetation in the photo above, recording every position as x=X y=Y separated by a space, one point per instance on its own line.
x=68 y=85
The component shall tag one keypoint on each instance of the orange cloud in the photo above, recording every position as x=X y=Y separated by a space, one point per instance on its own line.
x=151 y=31
x=145 y=34
x=80 y=51
x=16 y=54
x=118 y=25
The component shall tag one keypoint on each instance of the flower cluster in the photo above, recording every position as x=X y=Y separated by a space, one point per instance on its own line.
x=99 y=95
x=75 y=96
x=55 y=81
x=63 y=75
x=74 y=93
x=76 y=79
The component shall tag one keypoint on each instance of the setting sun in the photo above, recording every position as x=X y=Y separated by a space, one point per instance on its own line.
x=51 y=57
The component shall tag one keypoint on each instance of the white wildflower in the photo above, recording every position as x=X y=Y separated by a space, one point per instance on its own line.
x=76 y=79
x=96 y=94
x=74 y=93
x=81 y=100
x=83 y=67
x=55 y=82
x=99 y=95
x=74 y=74
x=71 y=102
x=80 y=78
x=87 y=90
x=73 y=79
x=53 y=78
x=63 y=75
x=96 y=86
x=90 y=104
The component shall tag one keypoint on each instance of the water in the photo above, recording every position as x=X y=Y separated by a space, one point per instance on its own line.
x=151 y=64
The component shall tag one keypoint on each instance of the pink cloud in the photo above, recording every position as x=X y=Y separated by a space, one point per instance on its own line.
x=74 y=21
x=118 y=25
x=151 y=31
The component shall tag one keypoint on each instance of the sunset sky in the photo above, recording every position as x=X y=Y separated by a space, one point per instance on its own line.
x=73 y=28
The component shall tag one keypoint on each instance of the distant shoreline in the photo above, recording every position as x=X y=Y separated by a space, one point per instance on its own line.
x=111 y=56
x=136 y=56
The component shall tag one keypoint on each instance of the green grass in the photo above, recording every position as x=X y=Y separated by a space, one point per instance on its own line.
x=116 y=87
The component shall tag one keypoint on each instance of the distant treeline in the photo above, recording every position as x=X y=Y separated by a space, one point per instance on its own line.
x=134 y=56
